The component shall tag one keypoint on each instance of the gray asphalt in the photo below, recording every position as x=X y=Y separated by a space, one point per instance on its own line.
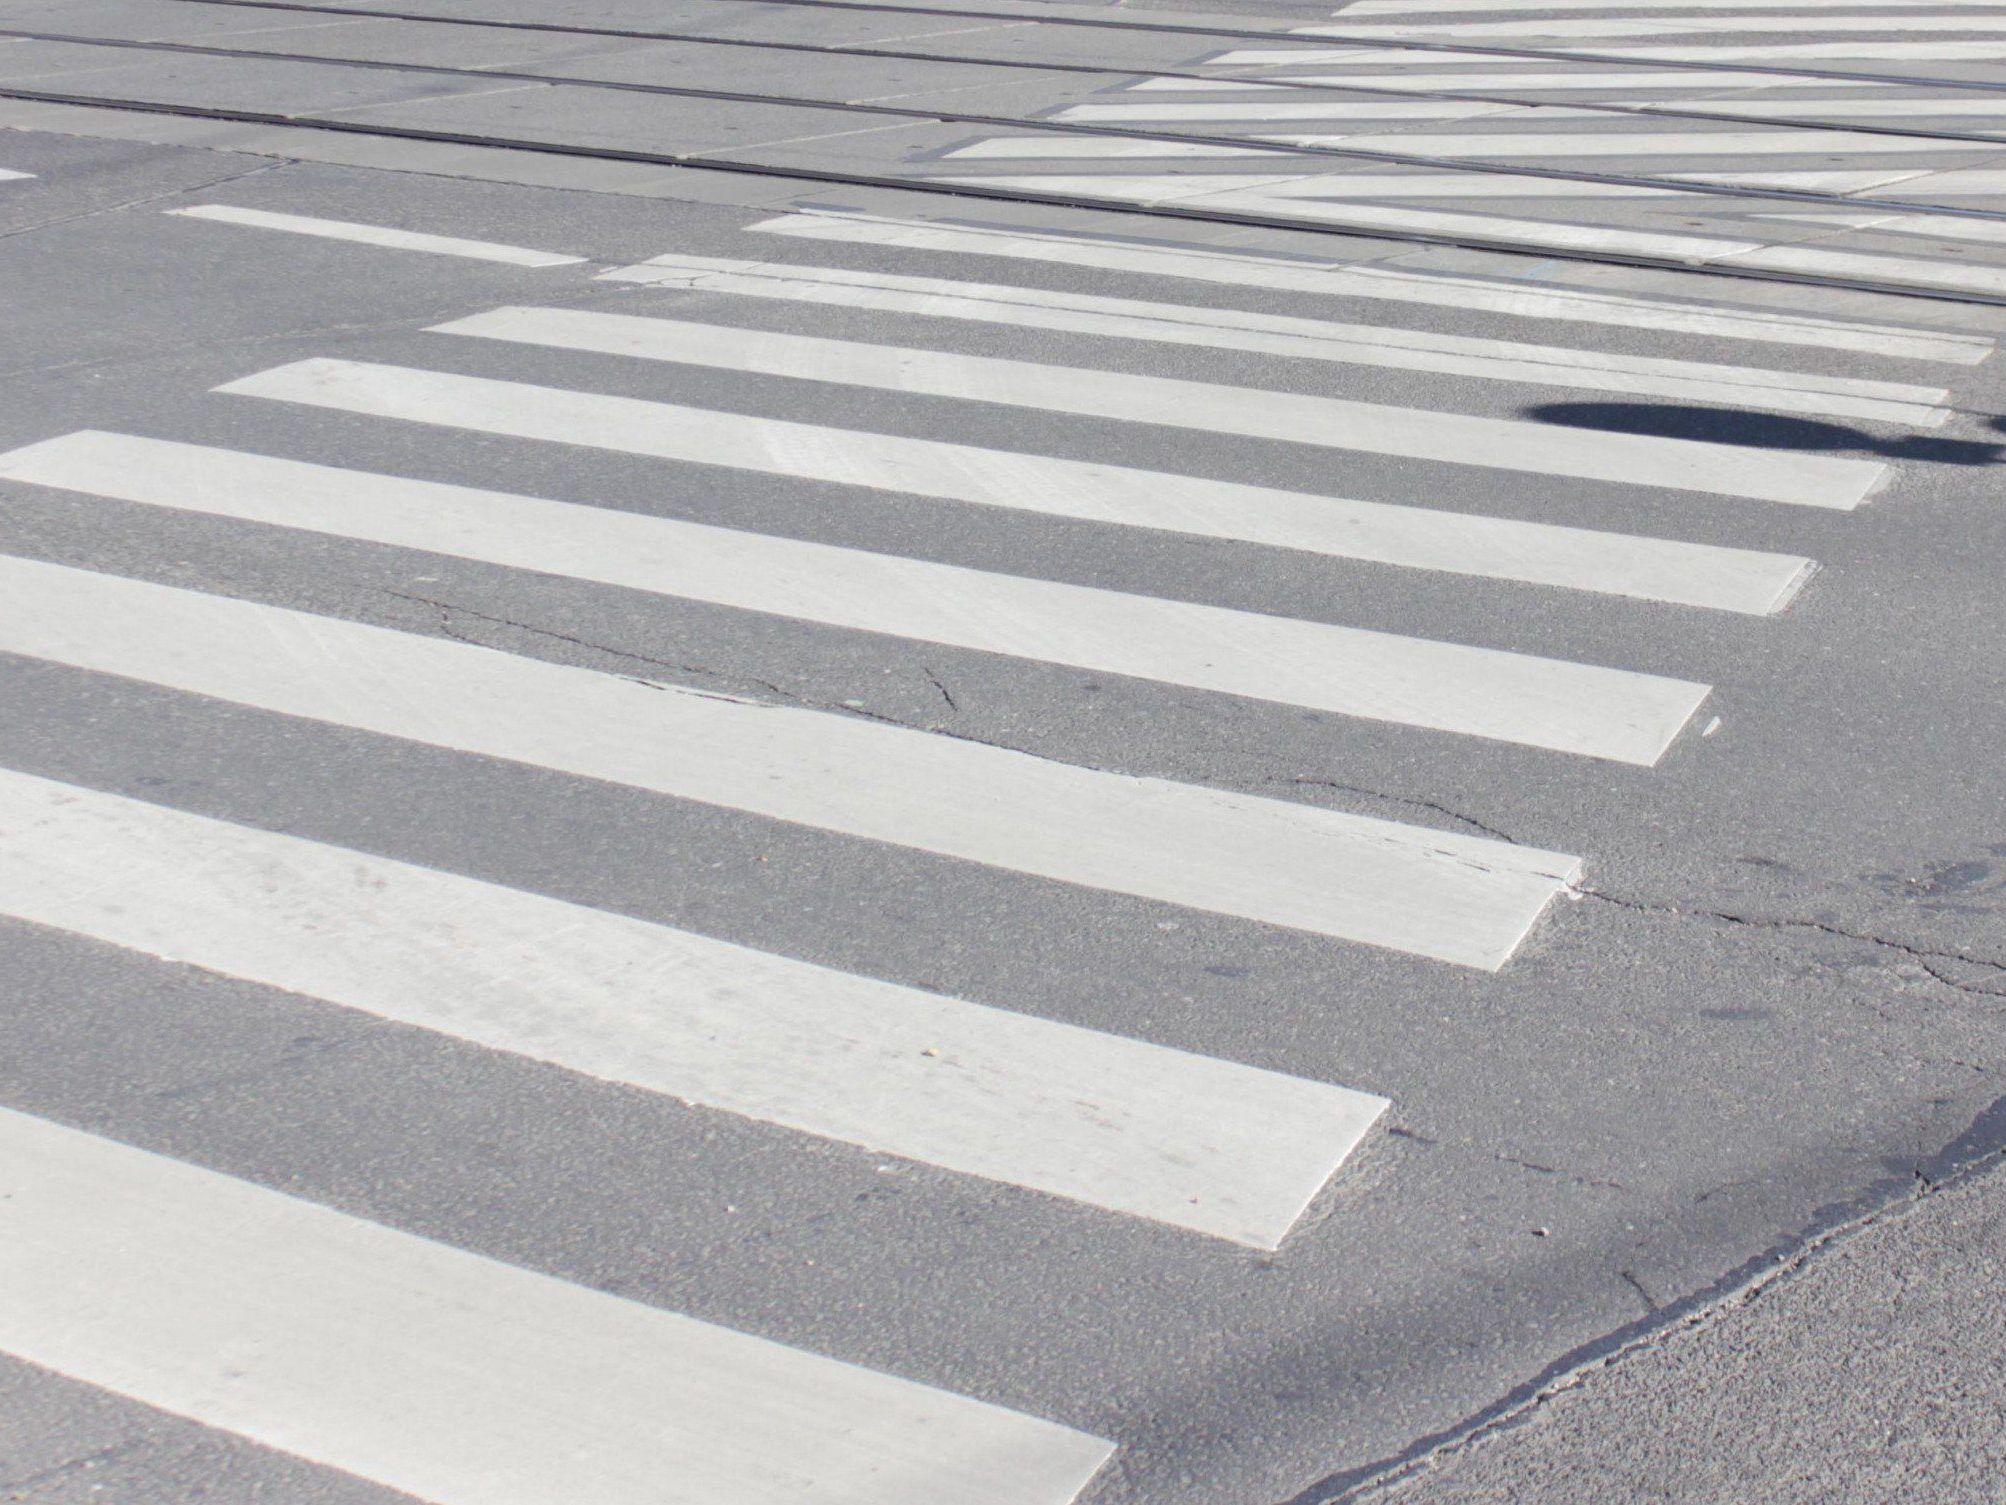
x=1776 y=999
x=1865 y=1372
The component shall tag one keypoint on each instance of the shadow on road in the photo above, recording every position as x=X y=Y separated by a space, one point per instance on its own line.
x=1764 y=430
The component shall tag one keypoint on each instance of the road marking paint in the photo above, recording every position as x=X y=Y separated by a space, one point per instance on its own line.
x=1960 y=182
x=1775 y=142
x=1492 y=7
x=1101 y=148
x=1462 y=899
x=1689 y=574
x=1445 y=182
x=1907 y=107
x=1579 y=78
x=1663 y=26
x=1286 y=195
x=1329 y=279
x=1935 y=226
x=377 y=235
x=9 y=175
x=1267 y=108
x=454 y=1378
x=1328 y=422
x=1222 y=1149
x=1539 y=702
x=1864 y=50
x=1274 y=334
x=1423 y=57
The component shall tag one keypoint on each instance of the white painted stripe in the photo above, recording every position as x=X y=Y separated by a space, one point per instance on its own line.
x=1661 y=26
x=1445 y=182
x=1409 y=888
x=1452 y=183
x=1266 y=107
x=1329 y=422
x=1287 y=274
x=1935 y=226
x=1624 y=142
x=1579 y=78
x=1957 y=182
x=1755 y=52
x=1393 y=57
x=377 y=235
x=1864 y=50
x=1213 y=1146
x=1906 y=107
x=1447 y=687
x=1421 y=57
x=1380 y=532
x=1315 y=339
x=1494 y=7
x=452 y=1378
x=1295 y=197
x=1178 y=84
x=8 y=175
x=1104 y=148
x=1101 y=149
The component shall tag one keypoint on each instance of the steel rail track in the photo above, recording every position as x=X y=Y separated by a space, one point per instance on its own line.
x=1279 y=150
x=913 y=55
x=982 y=193
x=1468 y=49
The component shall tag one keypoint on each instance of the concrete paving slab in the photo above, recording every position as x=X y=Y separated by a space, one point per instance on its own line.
x=233 y=83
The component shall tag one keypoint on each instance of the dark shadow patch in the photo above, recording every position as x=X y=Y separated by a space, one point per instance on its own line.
x=1763 y=431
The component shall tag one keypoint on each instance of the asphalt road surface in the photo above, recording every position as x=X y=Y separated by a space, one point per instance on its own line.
x=777 y=752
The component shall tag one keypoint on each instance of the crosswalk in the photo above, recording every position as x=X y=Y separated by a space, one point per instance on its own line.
x=456 y=1378
x=1581 y=134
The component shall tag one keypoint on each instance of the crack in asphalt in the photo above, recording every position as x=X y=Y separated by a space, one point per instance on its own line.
x=447 y=610
x=934 y=680
x=1979 y=1150
x=142 y=202
x=1574 y=1178
x=1934 y=962
x=1403 y=799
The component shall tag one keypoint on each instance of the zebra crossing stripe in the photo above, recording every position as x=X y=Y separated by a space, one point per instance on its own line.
x=1447 y=183
x=1336 y=280
x=1297 y=197
x=1783 y=52
x=453 y=1378
x=1689 y=574
x=1661 y=26
x=1450 y=687
x=1221 y=1149
x=1432 y=893
x=377 y=235
x=1272 y=334
x=1267 y=107
x=1496 y=7
x=1326 y=422
x=1935 y=226
x=1578 y=77
x=1264 y=106
x=1610 y=141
